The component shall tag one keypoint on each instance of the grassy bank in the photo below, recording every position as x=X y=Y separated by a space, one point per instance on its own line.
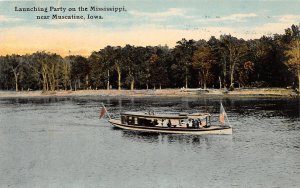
x=253 y=92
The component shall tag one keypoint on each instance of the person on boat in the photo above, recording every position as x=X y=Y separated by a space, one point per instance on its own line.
x=189 y=123
x=193 y=123
x=182 y=123
x=169 y=124
x=162 y=122
x=155 y=122
x=196 y=123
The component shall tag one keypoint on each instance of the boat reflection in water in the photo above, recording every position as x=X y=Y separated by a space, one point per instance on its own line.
x=178 y=140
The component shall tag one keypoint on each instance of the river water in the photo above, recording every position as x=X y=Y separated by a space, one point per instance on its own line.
x=61 y=142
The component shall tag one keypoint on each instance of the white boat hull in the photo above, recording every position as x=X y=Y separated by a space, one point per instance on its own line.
x=194 y=131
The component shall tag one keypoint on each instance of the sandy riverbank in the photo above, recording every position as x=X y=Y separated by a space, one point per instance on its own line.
x=254 y=92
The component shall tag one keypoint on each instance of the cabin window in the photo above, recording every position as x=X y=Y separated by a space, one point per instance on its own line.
x=144 y=122
x=131 y=120
x=123 y=119
x=135 y=121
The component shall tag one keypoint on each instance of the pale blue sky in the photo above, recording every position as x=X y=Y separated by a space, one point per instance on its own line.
x=153 y=21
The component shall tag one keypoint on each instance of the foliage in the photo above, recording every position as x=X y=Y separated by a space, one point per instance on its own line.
x=227 y=61
x=204 y=60
x=293 y=53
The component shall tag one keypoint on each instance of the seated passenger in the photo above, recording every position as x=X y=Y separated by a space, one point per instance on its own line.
x=188 y=123
x=169 y=123
x=196 y=123
x=193 y=123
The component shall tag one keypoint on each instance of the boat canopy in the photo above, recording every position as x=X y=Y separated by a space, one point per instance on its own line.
x=198 y=115
x=167 y=116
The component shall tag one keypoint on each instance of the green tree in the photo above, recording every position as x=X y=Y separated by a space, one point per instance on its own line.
x=244 y=73
x=97 y=73
x=203 y=61
x=263 y=52
x=66 y=73
x=293 y=53
x=111 y=59
x=117 y=59
x=49 y=66
x=15 y=63
x=183 y=53
x=6 y=75
x=80 y=70
x=234 y=53
x=130 y=64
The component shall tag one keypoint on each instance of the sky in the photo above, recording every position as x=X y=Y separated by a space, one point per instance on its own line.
x=144 y=23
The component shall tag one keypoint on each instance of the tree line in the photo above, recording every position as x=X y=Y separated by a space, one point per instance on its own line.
x=227 y=62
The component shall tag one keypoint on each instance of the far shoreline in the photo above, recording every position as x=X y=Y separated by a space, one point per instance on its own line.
x=208 y=93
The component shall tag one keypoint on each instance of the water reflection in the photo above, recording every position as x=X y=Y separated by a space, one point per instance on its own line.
x=262 y=107
x=141 y=136
x=173 y=139
x=195 y=140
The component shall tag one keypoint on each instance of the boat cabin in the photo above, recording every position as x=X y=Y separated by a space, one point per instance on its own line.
x=184 y=120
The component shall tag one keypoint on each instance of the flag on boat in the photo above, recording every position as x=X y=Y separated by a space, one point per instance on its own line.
x=222 y=115
x=102 y=112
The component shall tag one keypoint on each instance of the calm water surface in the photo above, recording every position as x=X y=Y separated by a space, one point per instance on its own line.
x=60 y=142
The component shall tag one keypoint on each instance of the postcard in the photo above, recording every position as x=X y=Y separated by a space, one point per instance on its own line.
x=149 y=93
